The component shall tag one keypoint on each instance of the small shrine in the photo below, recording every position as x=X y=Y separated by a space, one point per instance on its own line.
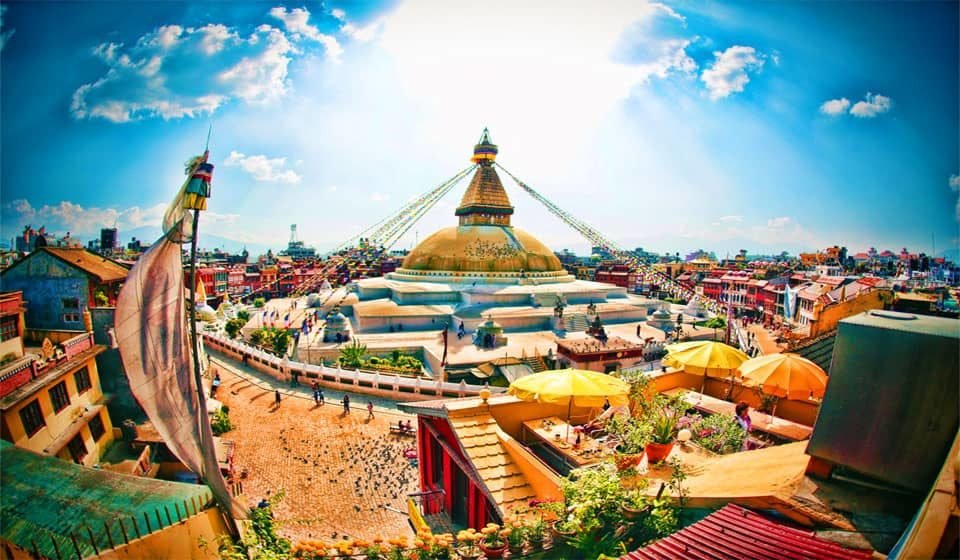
x=489 y=334
x=662 y=320
x=337 y=327
x=596 y=329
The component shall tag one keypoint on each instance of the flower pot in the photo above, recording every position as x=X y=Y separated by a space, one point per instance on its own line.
x=657 y=452
x=561 y=536
x=626 y=461
x=536 y=543
x=468 y=553
x=515 y=549
x=634 y=514
x=493 y=551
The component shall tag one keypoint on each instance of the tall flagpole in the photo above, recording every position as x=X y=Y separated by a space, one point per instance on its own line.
x=198 y=378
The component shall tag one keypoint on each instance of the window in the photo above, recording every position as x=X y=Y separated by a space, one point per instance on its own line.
x=96 y=427
x=8 y=327
x=78 y=449
x=82 y=377
x=70 y=304
x=59 y=396
x=32 y=418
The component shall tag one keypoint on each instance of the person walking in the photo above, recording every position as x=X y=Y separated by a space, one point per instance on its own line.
x=316 y=393
x=320 y=400
x=276 y=398
x=370 y=410
x=346 y=404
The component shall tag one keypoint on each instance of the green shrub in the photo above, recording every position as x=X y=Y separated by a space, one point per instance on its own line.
x=259 y=302
x=221 y=421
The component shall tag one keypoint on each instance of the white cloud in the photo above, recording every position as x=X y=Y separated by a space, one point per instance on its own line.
x=175 y=72
x=296 y=21
x=873 y=105
x=779 y=222
x=730 y=71
x=332 y=188
x=378 y=197
x=262 y=168
x=339 y=14
x=731 y=219
x=835 y=107
x=87 y=221
x=550 y=56
x=5 y=34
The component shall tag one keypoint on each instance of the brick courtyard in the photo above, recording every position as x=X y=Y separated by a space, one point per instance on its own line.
x=337 y=472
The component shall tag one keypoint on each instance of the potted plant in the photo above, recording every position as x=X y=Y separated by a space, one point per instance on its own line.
x=535 y=528
x=719 y=433
x=664 y=431
x=492 y=543
x=633 y=434
x=515 y=535
x=467 y=546
x=635 y=502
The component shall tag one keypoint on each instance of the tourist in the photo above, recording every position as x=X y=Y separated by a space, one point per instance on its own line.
x=320 y=400
x=276 y=398
x=370 y=409
x=316 y=393
x=215 y=384
x=401 y=426
x=743 y=416
x=346 y=404
x=409 y=427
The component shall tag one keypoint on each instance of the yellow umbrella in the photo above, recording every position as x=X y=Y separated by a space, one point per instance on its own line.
x=571 y=386
x=705 y=357
x=785 y=375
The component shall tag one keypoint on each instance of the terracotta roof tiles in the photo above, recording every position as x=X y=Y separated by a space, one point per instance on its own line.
x=104 y=269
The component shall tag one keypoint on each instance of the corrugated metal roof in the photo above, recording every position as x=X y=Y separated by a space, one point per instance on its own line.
x=819 y=350
x=505 y=483
x=740 y=534
x=46 y=499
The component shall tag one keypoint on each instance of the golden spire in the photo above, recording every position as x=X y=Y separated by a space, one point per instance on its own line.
x=485 y=202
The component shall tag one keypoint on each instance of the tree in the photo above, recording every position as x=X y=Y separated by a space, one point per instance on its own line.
x=233 y=327
x=257 y=336
x=259 y=302
x=352 y=355
x=243 y=315
x=716 y=323
x=280 y=341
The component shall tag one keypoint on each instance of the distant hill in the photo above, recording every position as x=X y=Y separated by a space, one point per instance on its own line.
x=207 y=241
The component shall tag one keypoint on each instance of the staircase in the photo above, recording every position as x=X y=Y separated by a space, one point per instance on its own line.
x=536 y=363
x=575 y=322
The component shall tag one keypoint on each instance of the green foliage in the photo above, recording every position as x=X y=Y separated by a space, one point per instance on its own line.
x=634 y=434
x=243 y=315
x=281 y=341
x=101 y=298
x=719 y=433
x=7 y=358
x=220 y=424
x=352 y=354
x=259 y=302
x=716 y=323
x=256 y=337
x=233 y=327
x=260 y=542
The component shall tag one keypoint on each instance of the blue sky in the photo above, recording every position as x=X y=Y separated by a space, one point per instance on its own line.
x=764 y=126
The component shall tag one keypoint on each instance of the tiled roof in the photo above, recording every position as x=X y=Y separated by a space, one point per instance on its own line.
x=45 y=500
x=819 y=350
x=592 y=345
x=103 y=268
x=505 y=483
x=740 y=534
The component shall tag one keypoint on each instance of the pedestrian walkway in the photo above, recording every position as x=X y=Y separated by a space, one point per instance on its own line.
x=341 y=475
x=300 y=391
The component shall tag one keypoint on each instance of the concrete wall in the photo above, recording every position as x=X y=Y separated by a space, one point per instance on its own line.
x=45 y=281
x=181 y=540
x=113 y=378
x=13 y=346
x=59 y=422
x=832 y=314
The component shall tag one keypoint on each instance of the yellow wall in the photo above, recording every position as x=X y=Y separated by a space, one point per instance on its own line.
x=832 y=314
x=177 y=541
x=13 y=346
x=510 y=416
x=57 y=423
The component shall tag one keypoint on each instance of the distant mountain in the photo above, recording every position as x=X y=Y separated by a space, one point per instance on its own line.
x=207 y=241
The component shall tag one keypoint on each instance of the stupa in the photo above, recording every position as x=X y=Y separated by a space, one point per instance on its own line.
x=484 y=268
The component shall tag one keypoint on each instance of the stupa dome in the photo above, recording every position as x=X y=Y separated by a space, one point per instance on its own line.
x=484 y=241
x=482 y=248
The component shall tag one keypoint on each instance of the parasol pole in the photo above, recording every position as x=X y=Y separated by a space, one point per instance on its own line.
x=569 y=409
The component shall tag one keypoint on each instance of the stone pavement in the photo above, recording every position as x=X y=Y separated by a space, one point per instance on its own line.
x=340 y=474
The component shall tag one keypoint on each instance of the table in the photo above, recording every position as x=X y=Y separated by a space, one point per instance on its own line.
x=544 y=430
x=779 y=427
